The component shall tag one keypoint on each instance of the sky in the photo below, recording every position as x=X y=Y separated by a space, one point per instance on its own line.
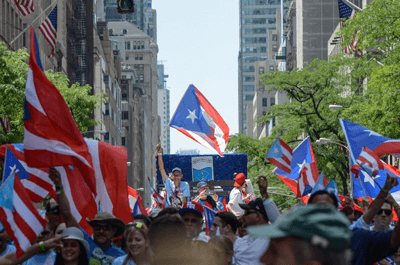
x=198 y=44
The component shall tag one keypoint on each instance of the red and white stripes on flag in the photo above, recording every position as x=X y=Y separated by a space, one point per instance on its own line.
x=281 y=155
x=136 y=203
x=20 y=218
x=367 y=161
x=111 y=171
x=5 y=125
x=49 y=30
x=25 y=6
x=51 y=136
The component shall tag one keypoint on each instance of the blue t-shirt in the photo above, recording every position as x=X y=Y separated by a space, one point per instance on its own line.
x=369 y=247
x=183 y=191
x=9 y=249
x=42 y=259
x=101 y=255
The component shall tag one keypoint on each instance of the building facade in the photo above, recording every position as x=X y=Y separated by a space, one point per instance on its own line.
x=164 y=109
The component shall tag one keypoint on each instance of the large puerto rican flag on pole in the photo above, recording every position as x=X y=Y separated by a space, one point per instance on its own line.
x=304 y=170
x=51 y=137
x=19 y=217
x=196 y=118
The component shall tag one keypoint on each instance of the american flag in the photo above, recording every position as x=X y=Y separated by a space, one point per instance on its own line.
x=346 y=12
x=49 y=30
x=25 y=6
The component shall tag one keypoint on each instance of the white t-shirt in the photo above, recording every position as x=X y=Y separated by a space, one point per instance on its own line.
x=235 y=197
x=248 y=250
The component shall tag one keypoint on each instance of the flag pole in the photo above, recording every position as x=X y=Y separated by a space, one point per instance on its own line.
x=27 y=27
x=162 y=137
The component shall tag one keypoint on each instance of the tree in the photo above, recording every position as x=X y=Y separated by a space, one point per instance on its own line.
x=310 y=91
x=13 y=74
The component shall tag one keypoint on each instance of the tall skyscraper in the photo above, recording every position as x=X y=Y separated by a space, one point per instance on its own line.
x=257 y=17
x=164 y=108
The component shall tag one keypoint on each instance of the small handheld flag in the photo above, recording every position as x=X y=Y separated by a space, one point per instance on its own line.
x=280 y=155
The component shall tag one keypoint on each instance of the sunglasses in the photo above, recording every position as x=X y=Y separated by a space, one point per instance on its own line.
x=106 y=228
x=387 y=212
x=136 y=225
x=55 y=209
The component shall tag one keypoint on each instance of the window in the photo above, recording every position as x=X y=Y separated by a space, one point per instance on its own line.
x=248 y=97
x=271 y=68
x=124 y=31
x=258 y=11
x=249 y=78
x=107 y=109
x=261 y=70
x=274 y=48
x=248 y=69
x=134 y=45
x=136 y=57
x=248 y=88
x=140 y=57
x=142 y=46
x=127 y=57
x=125 y=115
x=265 y=102
x=274 y=37
x=272 y=101
x=107 y=137
x=264 y=112
x=127 y=45
x=260 y=81
x=141 y=78
x=123 y=140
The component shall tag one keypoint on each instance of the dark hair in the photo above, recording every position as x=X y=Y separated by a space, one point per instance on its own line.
x=168 y=211
x=322 y=192
x=83 y=257
x=168 y=239
x=229 y=218
x=144 y=218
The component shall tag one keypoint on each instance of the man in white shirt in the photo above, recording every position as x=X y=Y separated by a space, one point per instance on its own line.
x=235 y=197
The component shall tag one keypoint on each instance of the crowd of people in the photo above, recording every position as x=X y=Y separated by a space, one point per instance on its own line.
x=250 y=231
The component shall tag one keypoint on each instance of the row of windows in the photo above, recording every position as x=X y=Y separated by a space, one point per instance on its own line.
x=260 y=2
x=265 y=102
x=248 y=97
x=139 y=45
x=248 y=78
x=256 y=21
x=248 y=68
x=255 y=30
x=140 y=79
x=248 y=88
x=254 y=40
x=259 y=11
x=254 y=49
x=254 y=59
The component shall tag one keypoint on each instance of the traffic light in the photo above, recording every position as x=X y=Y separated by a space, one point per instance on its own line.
x=125 y=6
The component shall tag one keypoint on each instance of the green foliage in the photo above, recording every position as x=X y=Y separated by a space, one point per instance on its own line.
x=13 y=74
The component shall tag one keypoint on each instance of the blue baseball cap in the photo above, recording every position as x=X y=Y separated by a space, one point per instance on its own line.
x=202 y=184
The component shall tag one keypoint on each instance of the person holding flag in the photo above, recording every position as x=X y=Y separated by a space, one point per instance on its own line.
x=178 y=192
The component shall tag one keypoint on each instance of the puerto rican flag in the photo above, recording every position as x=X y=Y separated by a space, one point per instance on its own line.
x=25 y=6
x=209 y=213
x=39 y=185
x=158 y=199
x=304 y=173
x=51 y=135
x=369 y=162
x=136 y=203
x=20 y=218
x=111 y=171
x=280 y=155
x=196 y=118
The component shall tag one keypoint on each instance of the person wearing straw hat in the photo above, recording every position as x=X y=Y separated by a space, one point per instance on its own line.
x=75 y=249
x=308 y=234
x=105 y=227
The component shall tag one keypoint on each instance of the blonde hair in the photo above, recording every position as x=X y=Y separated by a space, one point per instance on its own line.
x=141 y=228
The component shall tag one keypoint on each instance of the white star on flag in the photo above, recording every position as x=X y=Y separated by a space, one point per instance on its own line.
x=192 y=115
x=276 y=150
x=14 y=168
x=372 y=133
x=367 y=178
x=302 y=165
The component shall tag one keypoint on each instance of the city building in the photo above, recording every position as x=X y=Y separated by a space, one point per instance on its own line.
x=187 y=152
x=164 y=109
x=309 y=25
x=140 y=120
x=138 y=17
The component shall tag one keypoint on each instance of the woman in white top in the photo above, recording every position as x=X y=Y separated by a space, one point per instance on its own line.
x=137 y=244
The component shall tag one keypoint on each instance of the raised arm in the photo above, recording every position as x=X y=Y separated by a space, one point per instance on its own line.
x=161 y=163
x=62 y=199
x=11 y=258
x=380 y=199
x=269 y=205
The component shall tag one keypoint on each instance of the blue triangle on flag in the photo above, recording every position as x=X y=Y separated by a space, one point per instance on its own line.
x=7 y=193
